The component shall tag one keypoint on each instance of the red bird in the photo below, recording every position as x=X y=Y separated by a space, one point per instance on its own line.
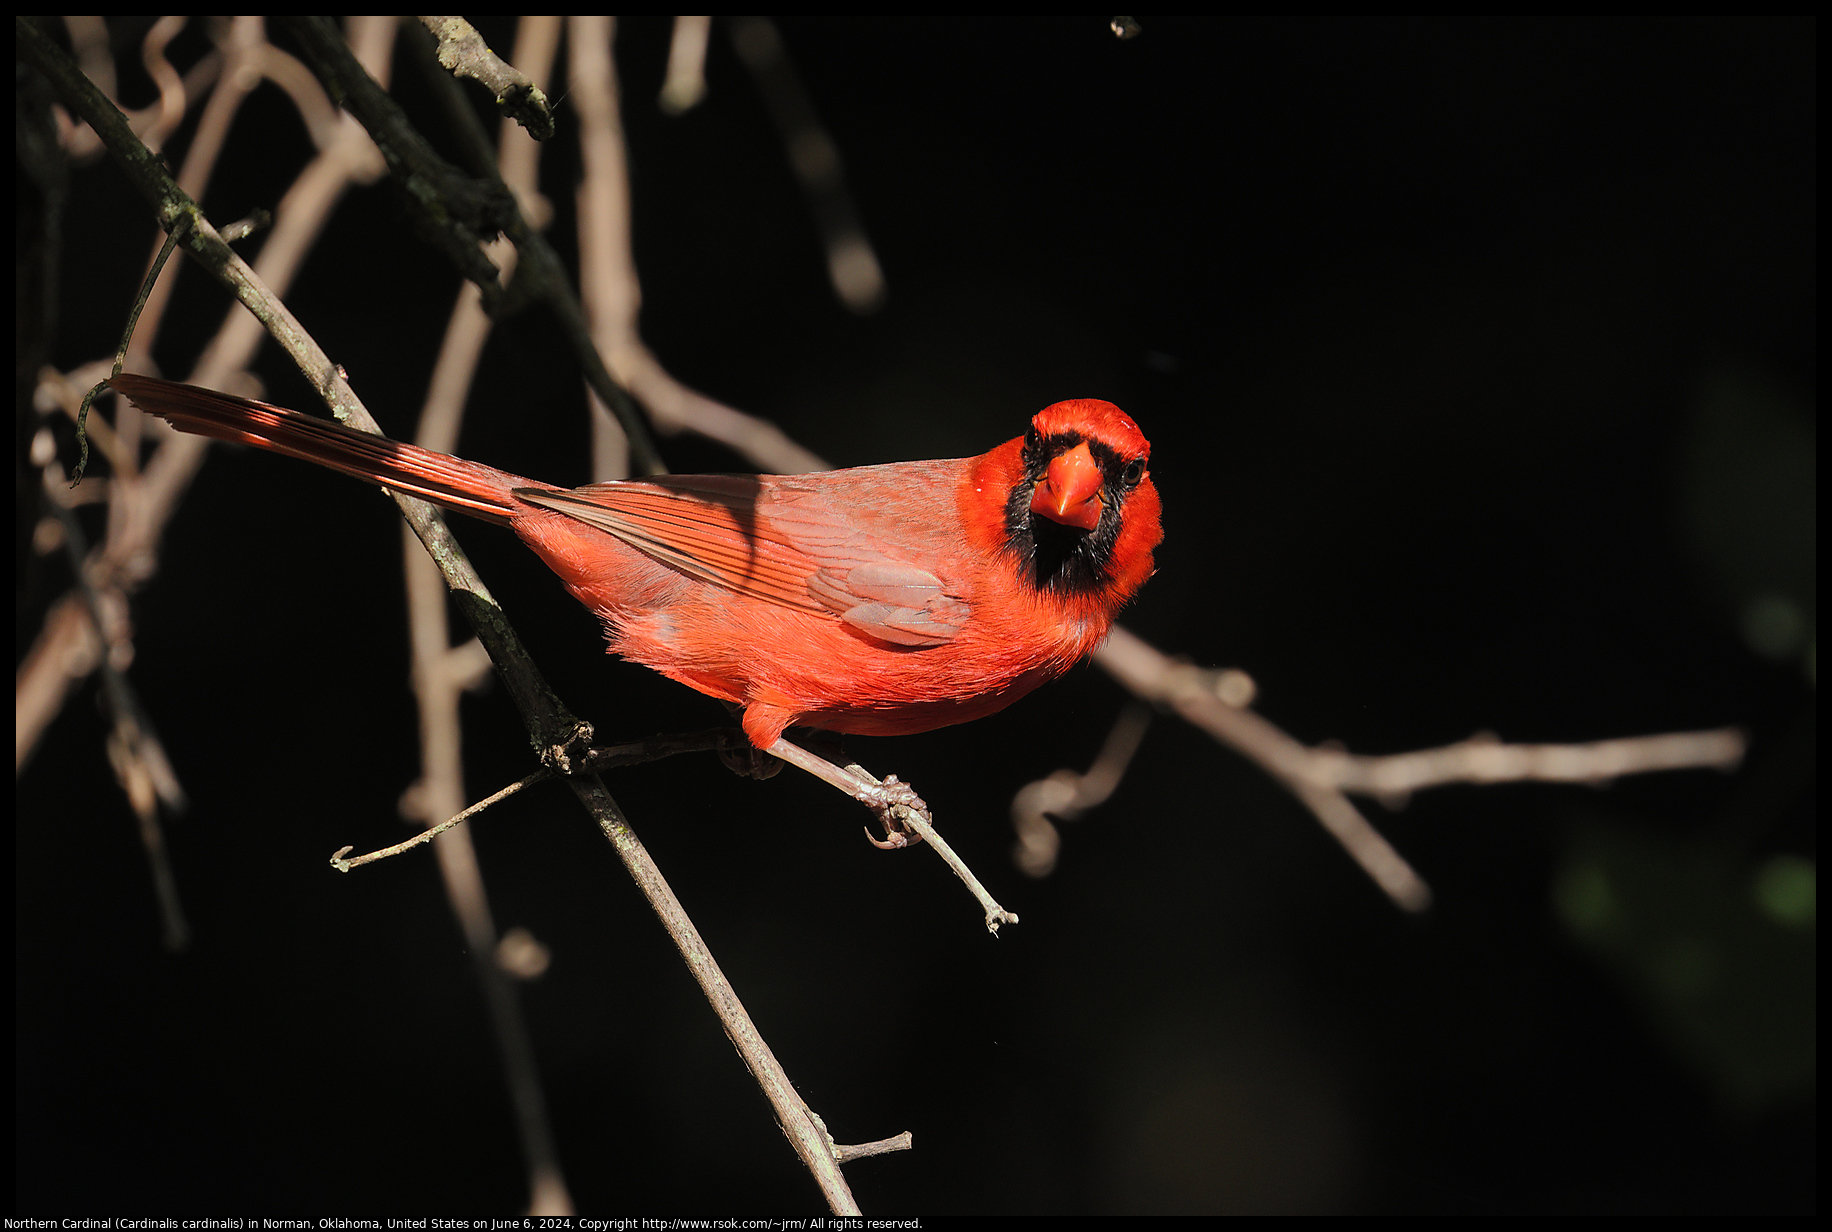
x=877 y=601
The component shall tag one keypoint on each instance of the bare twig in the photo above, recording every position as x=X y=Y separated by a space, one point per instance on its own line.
x=127 y=334
x=90 y=44
x=607 y=265
x=453 y=211
x=463 y=52
x=343 y=862
x=65 y=651
x=604 y=757
x=614 y=293
x=597 y=760
x=884 y=1146
x=995 y=914
x=459 y=213
x=712 y=740
x=1484 y=759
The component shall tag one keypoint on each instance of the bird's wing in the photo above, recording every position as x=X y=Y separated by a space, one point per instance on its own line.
x=810 y=543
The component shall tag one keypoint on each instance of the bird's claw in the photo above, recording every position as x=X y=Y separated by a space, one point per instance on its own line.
x=749 y=763
x=888 y=799
x=893 y=838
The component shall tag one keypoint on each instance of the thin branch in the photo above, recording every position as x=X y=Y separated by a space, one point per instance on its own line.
x=607 y=265
x=711 y=740
x=65 y=651
x=90 y=44
x=127 y=335
x=452 y=211
x=343 y=862
x=250 y=59
x=603 y=757
x=1484 y=759
x=135 y=752
x=995 y=914
x=541 y=277
x=463 y=53
x=884 y=1146
x=805 y=1131
x=171 y=105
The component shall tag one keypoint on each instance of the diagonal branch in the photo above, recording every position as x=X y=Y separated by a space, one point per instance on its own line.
x=459 y=214
x=452 y=211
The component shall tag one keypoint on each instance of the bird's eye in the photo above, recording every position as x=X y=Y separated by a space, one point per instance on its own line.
x=1033 y=440
x=1135 y=471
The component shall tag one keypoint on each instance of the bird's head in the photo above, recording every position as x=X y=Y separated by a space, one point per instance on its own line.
x=1081 y=513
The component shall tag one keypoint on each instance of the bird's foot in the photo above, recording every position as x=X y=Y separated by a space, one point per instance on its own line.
x=891 y=800
x=749 y=763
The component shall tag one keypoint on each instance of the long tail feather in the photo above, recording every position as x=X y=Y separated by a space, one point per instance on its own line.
x=468 y=487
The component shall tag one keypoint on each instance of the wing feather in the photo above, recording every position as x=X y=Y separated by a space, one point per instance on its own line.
x=779 y=541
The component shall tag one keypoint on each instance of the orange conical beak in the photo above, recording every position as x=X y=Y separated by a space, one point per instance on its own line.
x=1070 y=492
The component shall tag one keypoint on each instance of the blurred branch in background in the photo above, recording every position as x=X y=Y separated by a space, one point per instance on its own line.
x=685 y=84
x=608 y=275
x=851 y=263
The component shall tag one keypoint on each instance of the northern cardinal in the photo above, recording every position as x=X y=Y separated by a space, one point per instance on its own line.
x=877 y=601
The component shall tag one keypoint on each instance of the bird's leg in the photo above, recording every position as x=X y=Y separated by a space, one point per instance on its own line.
x=748 y=762
x=906 y=818
x=891 y=799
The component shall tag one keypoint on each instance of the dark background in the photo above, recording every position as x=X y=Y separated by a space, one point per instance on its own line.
x=1477 y=359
